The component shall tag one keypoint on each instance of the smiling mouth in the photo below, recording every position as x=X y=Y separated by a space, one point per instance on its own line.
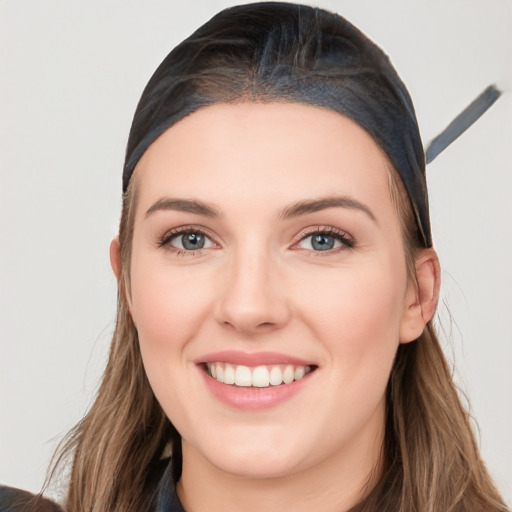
x=257 y=377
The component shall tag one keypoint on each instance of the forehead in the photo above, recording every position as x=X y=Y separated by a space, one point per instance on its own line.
x=272 y=152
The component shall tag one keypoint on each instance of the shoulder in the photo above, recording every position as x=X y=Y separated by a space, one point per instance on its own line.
x=17 y=500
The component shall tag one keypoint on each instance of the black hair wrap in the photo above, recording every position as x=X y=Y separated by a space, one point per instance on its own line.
x=271 y=51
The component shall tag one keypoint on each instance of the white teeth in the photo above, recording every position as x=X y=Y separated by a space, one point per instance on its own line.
x=276 y=376
x=229 y=374
x=259 y=376
x=219 y=370
x=300 y=371
x=243 y=376
x=288 y=374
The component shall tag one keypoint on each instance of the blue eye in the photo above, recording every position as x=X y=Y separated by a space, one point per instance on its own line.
x=188 y=241
x=322 y=241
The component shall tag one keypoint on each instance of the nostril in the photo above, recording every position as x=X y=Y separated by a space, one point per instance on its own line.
x=266 y=324
x=229 y=325
x=248 y=325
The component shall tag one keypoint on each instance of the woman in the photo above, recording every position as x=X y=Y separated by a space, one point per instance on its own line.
x=276 y=288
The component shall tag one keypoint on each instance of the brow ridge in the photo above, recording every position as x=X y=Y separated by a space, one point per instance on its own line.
x=297 y=209
x=184 y=205
x=314 y=205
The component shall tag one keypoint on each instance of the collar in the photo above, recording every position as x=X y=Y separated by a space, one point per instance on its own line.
x=167 y=499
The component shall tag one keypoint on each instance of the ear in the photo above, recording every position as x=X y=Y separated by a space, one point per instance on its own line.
x=422 y=296
x=115 y=257
x=115 y=262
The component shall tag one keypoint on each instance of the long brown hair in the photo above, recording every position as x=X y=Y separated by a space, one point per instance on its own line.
x=270 y=52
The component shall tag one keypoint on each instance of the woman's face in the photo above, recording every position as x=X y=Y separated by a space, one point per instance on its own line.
x=267 y=252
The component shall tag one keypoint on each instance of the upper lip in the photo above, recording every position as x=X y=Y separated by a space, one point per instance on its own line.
x=252 y=358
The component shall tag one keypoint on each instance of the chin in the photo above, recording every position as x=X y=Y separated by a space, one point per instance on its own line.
x=254 y=458
x=263 y=467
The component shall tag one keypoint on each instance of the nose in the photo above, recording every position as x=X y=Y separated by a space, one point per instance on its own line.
x=253 y=295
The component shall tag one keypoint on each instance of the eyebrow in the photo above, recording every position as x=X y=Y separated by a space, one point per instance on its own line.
x=291 y=211
x=316 y=205
x=184 y=205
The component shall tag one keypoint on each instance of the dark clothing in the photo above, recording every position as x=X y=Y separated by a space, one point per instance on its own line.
x=167 y=499
x=16 y=500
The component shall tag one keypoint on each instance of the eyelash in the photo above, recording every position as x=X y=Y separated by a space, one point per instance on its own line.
x=346 y=240
x=165 y=240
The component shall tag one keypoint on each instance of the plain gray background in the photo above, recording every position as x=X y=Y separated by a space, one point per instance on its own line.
x=71 y=73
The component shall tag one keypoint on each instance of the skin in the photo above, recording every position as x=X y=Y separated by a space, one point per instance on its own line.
x=258 y=285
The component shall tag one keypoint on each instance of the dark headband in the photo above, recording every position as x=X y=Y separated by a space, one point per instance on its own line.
x=272 y=51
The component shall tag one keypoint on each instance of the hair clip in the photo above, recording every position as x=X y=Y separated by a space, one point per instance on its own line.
x=462 y=122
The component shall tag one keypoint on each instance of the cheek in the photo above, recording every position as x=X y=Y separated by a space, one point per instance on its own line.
x=168 y=309
x=355 y=316
x=356 y=312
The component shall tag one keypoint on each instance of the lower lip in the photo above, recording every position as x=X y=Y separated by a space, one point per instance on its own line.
x=254 y=398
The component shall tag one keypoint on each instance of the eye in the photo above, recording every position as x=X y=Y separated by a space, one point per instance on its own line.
x=325 y=240
x=187 y=240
